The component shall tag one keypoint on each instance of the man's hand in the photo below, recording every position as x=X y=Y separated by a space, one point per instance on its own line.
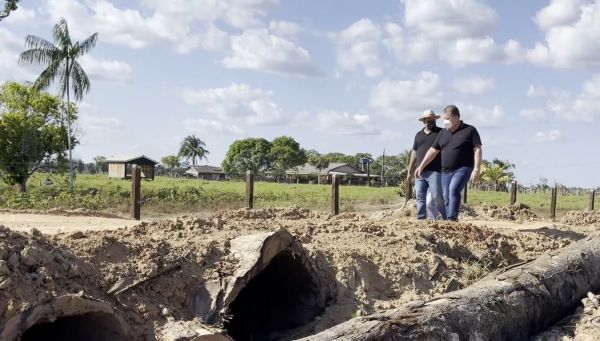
x=409 y=178
x=418 y=172
x=475 y=175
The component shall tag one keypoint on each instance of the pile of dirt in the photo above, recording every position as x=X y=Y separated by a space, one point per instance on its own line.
x=582 y=325
x=516 y=212
x=581 y=218
x=152 y=272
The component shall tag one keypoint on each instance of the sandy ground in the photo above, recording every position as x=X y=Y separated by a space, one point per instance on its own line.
x=380 y=260
x=52 y=224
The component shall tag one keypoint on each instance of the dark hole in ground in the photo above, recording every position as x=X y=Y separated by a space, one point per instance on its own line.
x=280 y=298
x=84 y=327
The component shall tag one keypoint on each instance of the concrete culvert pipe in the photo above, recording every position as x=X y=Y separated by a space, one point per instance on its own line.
x=276 y=291
x=66 y=318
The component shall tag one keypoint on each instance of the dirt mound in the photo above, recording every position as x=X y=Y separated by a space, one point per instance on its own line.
x=152 y=273
x=516 y=212
x=581 y=218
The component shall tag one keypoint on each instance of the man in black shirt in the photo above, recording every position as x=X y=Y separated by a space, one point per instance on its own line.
x=430 y=178
x=460 y=145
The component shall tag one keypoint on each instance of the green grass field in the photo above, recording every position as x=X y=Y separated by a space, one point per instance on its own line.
x=167 y=195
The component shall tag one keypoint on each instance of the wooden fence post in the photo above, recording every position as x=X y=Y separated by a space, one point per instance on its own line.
x=136 y=197
x=465 y=194
x=407 y=191
x=592 y=198
x=513 y=193
x=335 y=195
x=249 y=189
x=553 y=203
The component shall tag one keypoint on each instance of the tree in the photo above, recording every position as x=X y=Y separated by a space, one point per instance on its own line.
x=285 y=153
x=60 y=60
x=9 y=6
x=247 y=154
x=318 y=161
x=395 y=166
x=340 y=157
x=31 y=131
x=498 y=173
x=101 y=164
x=171 y=162
x=192 y=148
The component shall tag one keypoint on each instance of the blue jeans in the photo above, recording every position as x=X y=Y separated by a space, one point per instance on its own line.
x=453 y=183
x=431 y=181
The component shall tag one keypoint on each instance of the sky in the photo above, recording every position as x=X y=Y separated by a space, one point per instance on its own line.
x=345 y=76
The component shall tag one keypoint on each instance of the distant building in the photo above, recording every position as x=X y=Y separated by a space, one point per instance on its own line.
x=344 y=170
x=206 y=172
x=121 y=168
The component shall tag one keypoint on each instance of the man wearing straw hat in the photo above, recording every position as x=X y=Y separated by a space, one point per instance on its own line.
x=429 y=182
x=460 y=146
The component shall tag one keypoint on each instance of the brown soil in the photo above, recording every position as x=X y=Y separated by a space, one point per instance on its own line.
x=581 y=218
x=582 y=325
x=379 y=263
x=516 y=212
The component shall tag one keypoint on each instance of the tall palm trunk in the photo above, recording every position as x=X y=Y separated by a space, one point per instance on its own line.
x=71 y=175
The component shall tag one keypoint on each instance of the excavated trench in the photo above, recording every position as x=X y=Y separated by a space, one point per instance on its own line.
x=275 y=293
x=280 y=298
x=68 y=318
x=90 y=327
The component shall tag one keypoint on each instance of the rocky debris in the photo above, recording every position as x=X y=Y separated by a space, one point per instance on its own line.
x=516 y=212
x=375 y=264
x=581 y=218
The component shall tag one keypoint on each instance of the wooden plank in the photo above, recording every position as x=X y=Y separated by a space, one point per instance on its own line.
x=136 y=195
x=464 y=197
x=513 y=193
x=249 y=189
x=335 y=195
x=553 y=203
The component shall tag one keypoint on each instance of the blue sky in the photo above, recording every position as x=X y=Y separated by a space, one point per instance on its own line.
x=338 y=76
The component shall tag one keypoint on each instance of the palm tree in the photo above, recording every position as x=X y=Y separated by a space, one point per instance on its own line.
x=192 y=148
x=497 y=172
x=60 y=60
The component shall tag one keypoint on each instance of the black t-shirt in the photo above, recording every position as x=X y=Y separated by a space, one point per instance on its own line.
x=457 y=148
x=422 y=144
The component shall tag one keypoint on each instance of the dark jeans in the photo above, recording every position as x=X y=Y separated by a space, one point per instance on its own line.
x=452 y=184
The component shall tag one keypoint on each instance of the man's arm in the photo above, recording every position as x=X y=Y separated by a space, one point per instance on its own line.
x=477 y=169
x=431 y=154
x=411 y=166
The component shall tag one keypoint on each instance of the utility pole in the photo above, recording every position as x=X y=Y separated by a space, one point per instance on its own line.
x=383 y=168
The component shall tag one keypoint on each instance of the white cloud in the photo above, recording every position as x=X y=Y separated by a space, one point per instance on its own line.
x=536 y=91
x=22 y=16
x=390 y=136
x=581 y=107
x=358 y=48
x=285 y=28
x=186 y=25
x=549 y=136
x=558 y=13
x=469 y=51
x=343 y=123
x=474 y=84
x=481 y=116
x=575 y=43
x=514 y=52
x=500 y=141
x=237 y=101
x=405 y=99
x=107 y=70
x=449 y=19
x=95 y=127
x=259 y=50
x=534 y=114
x=10 y=48
x=202 y=126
